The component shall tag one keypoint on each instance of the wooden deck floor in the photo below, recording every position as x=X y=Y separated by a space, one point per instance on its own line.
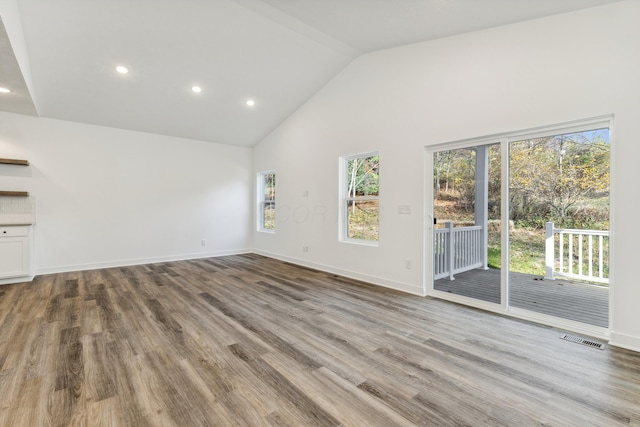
x=568 y=300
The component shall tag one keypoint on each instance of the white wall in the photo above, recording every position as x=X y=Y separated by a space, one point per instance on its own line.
x=536 y=73
x=113 y=197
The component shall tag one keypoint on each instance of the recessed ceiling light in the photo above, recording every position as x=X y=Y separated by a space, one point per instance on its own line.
x=196 y=89
x=4 y=90
x=251 y=103
x=122 y=69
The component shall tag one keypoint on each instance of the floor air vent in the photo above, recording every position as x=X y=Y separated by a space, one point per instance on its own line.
x=583 y=341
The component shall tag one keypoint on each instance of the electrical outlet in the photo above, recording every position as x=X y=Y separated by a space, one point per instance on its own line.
x=305 y=249
x=203 y=242
x=407 y=265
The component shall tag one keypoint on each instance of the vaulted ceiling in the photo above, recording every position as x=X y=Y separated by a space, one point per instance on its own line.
x=58 y=57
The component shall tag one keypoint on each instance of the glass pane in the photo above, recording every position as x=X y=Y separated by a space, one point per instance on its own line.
x=467 y=243
x=269 y=186
x=559 y=222
x=363 y=176
x=454 y=187
x=362 y=193
x=269 y=216
x=362 y=219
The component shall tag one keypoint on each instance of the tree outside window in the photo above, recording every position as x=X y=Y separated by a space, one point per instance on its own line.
x=361 y=205
x=267 y=195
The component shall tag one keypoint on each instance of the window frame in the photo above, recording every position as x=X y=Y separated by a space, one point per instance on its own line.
x=263 y=201
x=345 y=198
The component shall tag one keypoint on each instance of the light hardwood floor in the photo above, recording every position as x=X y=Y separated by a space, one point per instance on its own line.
x=250 y=341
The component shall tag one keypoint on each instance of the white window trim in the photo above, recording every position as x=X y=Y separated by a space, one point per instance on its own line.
x=261 y=201
x=344 y=197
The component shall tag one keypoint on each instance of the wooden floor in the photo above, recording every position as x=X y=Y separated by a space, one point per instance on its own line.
x=250 y=341
x=561 y=298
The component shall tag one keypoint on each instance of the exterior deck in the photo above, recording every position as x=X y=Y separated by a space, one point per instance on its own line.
x=561 y=298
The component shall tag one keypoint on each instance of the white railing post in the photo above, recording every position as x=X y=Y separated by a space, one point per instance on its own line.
x=481 y=214
x=590 y=255
x=574 y=269
x=450 y=248
x=600 y=257
x=580 y=254
x=561 y=253
x=570 y=254
x=549 y=257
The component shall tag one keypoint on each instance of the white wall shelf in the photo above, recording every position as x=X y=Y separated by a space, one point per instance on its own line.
x=14 y=162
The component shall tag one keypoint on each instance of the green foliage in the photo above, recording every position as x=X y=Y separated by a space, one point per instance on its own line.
x=363 y=176
x=269 y=186
x=494 y=255
x=269 y=217
x=563 y=179
x=526 y=251
x=557 y=178
x=268 y=202
x=362 y=190
x=454 y=175
x=362 y=220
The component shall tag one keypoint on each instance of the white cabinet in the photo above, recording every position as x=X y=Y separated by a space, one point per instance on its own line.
x=15 y=251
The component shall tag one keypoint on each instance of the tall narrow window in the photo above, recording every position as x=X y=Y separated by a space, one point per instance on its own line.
x=360 y=206
x=267 y=201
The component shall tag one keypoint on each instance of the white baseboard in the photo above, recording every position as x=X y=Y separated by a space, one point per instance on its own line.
x=616 y=339
x=22 y=279
x=403 y=287
x=139 y=261
x=625 y=341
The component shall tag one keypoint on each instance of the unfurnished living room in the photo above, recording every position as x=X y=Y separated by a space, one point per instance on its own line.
x=319 y=213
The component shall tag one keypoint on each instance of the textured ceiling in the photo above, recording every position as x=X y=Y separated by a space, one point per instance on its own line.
x=278 y=52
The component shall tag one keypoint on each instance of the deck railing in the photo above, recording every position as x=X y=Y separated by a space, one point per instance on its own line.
x=579 y=254
x=456 y=249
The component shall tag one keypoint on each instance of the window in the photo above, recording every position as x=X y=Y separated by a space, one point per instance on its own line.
x=360 y=207
x=267 y=201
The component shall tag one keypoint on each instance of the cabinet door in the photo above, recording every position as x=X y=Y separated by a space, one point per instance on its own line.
x=14 y=256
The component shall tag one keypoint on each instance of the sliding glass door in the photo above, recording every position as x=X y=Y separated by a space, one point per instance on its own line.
x=521 y=223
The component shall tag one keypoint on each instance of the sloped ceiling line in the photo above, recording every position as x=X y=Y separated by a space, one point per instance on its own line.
x=278 y=53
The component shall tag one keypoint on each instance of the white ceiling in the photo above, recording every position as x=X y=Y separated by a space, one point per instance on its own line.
x=19 y=101
x=278 y=52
